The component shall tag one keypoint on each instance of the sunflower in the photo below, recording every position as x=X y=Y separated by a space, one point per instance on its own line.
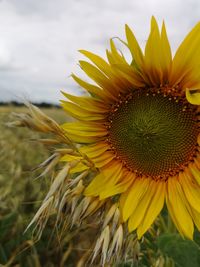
x=134 y=143
x=139 y=125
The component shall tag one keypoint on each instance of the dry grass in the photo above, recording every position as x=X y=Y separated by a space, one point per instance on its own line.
x=21 y=196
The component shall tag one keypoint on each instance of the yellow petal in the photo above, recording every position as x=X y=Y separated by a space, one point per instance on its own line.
x=177 y=206
x=125 y=194
x=166 y=55
x=191 y=190
x=193 y=96
x=107 y=177
x=112 y=59
x=88 y=103
x=196 y=173
x=195 y=215
x=116 y=57
x=187 y=56
x=122 y=77
x=86 y=126
x=134 y=47
x=83 y=139
x=154 y=208
x=196 y=218
x=69 y=158
x=99 y=62
x=79 y=112
x=92 y=89
x=134 y=195
x=153 y=55
x=94 y=151
x=119 y=187
x=117 y=80
x=192 y=79
x=80 y=167
x=130 y=74
x=139 y=212
x=104 y=159
x=84 y=129
x=97 y=76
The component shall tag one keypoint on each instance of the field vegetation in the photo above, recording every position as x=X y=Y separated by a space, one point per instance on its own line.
x=21 y=195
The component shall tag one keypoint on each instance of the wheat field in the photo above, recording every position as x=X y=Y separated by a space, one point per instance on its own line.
x=21 y=195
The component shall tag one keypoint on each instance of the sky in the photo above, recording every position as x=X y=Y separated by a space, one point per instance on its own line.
x=40 y=39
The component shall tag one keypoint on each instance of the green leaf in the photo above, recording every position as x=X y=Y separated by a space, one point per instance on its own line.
x=6 y=223
x=184 y=252
x=3 y=256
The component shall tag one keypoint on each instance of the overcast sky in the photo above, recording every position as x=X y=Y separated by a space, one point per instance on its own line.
x=39 y=39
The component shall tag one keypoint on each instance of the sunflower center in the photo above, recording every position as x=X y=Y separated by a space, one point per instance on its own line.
x=153 y=134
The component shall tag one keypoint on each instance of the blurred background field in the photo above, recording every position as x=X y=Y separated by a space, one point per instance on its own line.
x=21 y=195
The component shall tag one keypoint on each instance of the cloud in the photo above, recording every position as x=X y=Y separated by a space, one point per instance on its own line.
x=39 y=39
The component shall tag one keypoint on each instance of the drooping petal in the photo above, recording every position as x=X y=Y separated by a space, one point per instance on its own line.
x=191 y=190
x=177 y=207
x=154 y=208
x=148 y=208
x=196 y=217
x=139 y=212
x=134 y=195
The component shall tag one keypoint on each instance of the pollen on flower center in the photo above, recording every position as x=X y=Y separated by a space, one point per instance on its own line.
x=153 y=134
